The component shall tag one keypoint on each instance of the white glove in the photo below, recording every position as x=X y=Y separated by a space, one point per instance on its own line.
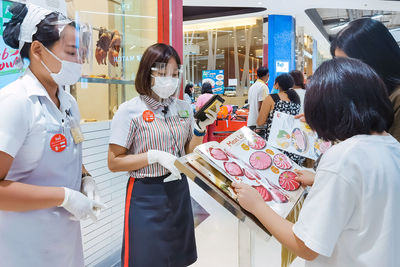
x=89 y=189
x=201 y=126
x=166 y=160
x=79 y=205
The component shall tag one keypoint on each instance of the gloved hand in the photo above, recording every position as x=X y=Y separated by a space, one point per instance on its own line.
x=201 y=126
x=79 y=205
x=89 y=189
x=166 y=160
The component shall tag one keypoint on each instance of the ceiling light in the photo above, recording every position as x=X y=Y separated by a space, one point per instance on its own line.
x=377 y=16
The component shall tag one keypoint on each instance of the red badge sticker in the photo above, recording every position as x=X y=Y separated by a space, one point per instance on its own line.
x=148 y=116
x=58 y=143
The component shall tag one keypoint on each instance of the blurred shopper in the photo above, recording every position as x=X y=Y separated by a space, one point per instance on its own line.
x=206 y=94
x=257 y=93
x=41 y=171
x=299 y=86
x=188 y=96
x=287 y=101
x=370 y=41
x=148 y=133
x=351 y=214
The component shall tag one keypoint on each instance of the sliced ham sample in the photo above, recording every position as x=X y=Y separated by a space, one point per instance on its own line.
x=266 y=195
x=288 y=182
x=282 y=161
x=233 y=169
x=299 y=140
x=251 y=175
x=218 y=154
x=258 y=143
x=260 y=160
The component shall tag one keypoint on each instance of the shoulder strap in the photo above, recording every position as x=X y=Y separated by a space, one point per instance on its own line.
x=275 y=97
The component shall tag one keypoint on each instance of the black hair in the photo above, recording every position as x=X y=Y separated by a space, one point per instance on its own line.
x=262 y=71
x=346 y=97
x=371 y=42
x=298 y=78
x=286 y=82
x=206 y=88
x=47 y=33
x=187 y=89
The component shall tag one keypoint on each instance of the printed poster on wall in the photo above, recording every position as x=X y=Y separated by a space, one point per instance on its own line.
x=216 y=79
x=8 y=71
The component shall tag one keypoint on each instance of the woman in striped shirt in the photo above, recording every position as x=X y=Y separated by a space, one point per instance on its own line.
x=148 y=133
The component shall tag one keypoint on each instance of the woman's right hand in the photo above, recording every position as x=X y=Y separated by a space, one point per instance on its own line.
x=80 y=206
x=166 y=160
x=301 y=117
x=306 y=178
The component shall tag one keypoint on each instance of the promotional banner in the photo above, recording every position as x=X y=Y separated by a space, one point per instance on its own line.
x=8 y=71
x=216 y=79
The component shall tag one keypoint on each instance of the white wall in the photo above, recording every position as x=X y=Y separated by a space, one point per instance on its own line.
x=102 y=239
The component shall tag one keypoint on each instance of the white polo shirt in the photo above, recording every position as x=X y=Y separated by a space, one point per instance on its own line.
x=257 y=93
x=23 y=121
x=351 y=216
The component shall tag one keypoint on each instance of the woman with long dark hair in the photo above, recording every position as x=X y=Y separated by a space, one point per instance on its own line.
x=371 y=42
x=287 y=101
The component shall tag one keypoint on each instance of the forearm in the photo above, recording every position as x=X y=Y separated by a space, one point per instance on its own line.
x=281 y=229
x=127 y=162
x=15 y=196
x=196 y=141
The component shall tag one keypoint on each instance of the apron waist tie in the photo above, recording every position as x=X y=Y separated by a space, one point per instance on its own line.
x=155 y=180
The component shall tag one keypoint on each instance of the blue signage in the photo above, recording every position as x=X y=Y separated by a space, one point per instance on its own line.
x=216 y=79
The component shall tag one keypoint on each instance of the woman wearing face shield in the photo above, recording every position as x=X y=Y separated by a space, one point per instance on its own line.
x=40 y=157
x=148 y=133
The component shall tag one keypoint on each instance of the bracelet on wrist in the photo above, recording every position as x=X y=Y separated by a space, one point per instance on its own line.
x=198 y=133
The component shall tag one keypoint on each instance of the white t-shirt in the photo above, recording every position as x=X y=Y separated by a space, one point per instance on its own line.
x=23 y=122
x=351 y=216
x=257 y=93
x=301 y=93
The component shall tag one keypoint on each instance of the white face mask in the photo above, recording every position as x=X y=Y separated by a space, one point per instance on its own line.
x=69 y=74
x=164 y=87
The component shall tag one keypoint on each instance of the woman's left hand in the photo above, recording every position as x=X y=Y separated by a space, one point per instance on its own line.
x=248 y=197
x=89 y=188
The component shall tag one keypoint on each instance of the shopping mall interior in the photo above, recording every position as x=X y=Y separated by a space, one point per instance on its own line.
x=221 y=42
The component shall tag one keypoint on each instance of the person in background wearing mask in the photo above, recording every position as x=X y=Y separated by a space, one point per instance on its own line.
x=257 y=93
x=188 y=96
x=148 y=133
x=40 y=156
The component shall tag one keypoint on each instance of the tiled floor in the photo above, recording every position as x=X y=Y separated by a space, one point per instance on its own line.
x=217 y=239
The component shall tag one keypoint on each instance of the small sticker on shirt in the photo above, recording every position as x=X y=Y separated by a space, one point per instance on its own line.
x=183 y=113
x=148 y=116
x=58 y=143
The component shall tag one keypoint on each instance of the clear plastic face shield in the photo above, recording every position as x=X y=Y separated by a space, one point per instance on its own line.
x=75 y=39
x=167 y=79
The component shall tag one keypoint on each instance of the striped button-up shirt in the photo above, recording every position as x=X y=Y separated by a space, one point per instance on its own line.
x=169 y=131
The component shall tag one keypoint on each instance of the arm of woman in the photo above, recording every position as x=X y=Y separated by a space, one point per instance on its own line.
x=196 y=141
x=18 y=197
x=119 y=160
x=280 y=228
x=264 y=111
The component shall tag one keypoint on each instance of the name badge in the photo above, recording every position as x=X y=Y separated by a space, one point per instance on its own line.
x=183 y=113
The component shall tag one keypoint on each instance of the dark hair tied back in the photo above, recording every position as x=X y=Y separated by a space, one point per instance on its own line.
x=13 y=26
x=47 y=33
